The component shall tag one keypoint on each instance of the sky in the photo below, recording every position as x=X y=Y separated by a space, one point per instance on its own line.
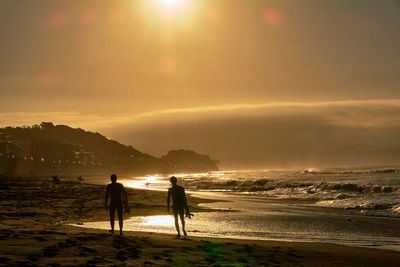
x=221 y=77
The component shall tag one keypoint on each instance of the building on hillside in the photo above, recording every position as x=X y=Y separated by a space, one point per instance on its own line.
x=84 y=157
x=47 y=125
x=6 y=144
x=4 y=147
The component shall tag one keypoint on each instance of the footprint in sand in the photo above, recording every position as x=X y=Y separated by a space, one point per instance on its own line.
x=40 y=239
x=120 y=242
x=156 y=257
x=248 y=248
x=210 y=260
x=21 y=263
x=97 y=260
x=103 y=235
x=68 y=243
x=169 y=251
x=27 y=232
x=4 y=260
x=294 y=255
x=84 y=251
x=187 y=249
x=87 y=238
x=133 y=252
x=121 y=256
x=88 y=250
x=16 y=236
x=47 y=233
x=33 y=257
x=51 y=251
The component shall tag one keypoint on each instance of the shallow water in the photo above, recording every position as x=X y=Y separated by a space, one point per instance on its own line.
x=286 y=211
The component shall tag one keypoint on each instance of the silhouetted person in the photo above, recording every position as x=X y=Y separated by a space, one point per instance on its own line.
x=179 y=204
x=56 y=180
x=118 y=199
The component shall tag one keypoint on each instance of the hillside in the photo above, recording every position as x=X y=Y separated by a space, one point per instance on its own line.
x=60 y=149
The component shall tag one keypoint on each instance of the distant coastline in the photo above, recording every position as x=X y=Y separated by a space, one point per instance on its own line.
x=49 y=149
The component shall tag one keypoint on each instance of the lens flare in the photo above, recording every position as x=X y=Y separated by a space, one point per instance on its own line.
x=170 y=3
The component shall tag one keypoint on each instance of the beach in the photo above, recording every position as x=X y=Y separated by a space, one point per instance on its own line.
x=358 y=207
x=37 y=229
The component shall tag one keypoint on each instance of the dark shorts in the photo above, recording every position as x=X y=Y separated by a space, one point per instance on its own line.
x=178 y=210
x=117 y=207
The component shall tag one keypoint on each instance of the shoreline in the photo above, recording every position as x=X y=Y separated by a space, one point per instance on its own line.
x=250 y=239
x=34 y=232
x=156 y=223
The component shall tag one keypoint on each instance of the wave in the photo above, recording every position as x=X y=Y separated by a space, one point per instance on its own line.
x=376 y=198
x=353 y=171
x=269 y=185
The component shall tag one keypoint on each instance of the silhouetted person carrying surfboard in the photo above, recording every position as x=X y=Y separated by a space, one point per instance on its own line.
x=118 y=199
x=179 y=204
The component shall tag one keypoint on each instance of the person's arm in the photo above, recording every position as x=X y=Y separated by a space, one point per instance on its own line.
x=124 y=195
x=106 y=197
x=168 y=197
x=185 y=203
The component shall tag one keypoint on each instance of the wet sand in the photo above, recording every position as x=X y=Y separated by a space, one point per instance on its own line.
x=35 y=231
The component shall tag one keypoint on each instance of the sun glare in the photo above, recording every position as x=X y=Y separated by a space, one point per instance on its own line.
x=158 y=221
x=170 y=3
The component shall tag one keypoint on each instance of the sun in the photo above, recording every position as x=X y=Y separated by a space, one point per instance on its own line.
x=170 y=3
x=168 y=8
x=170 y=12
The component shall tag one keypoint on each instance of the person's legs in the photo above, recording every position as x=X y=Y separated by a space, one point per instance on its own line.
x=120 y=218
x=176 y=222
x=182 y=216
x=112 y=214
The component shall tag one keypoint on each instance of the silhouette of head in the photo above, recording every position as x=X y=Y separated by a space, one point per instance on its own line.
x=113 y=178
x=173 y=180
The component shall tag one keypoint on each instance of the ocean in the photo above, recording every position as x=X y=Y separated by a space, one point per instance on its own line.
x=352 y=206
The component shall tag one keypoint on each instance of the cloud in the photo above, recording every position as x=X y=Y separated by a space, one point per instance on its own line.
x=268 y=134
x=366 y=113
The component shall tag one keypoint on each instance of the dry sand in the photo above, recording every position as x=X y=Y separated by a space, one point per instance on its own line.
x=34 y=231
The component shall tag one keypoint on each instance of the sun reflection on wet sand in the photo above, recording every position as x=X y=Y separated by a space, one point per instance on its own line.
x=158 y=221
x=280 y=223
x=153 y=182
x=161 y=182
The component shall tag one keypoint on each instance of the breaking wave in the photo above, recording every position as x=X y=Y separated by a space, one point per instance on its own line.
x=371 y=192
x=268 y=185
